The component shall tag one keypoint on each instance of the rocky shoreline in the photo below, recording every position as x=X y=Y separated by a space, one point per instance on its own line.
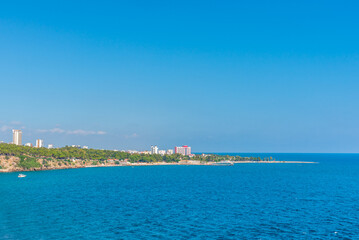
x=128 y=164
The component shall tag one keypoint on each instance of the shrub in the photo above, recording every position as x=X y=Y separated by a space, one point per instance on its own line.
x=28 y=162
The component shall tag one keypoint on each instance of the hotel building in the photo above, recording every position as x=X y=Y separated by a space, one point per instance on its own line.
x=17 y=137
x=184 y=150
x=39 y=143
x=154 y=150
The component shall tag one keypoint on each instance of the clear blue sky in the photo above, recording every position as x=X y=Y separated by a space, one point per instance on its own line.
x=221 y=76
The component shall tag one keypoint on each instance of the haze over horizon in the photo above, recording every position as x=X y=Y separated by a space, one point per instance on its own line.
x=260 y=76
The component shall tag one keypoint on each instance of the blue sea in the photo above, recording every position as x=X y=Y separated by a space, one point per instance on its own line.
x=244 y=201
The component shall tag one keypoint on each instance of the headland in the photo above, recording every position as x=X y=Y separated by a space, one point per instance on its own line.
x=14 y=158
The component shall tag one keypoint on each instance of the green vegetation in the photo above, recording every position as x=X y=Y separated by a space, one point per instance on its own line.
x=69 y=155
x=61 y=153
x=28 y=162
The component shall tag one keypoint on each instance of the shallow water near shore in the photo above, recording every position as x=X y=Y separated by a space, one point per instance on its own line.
x=267 y=201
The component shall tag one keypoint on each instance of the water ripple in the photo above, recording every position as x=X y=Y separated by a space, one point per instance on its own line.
x=246 y=201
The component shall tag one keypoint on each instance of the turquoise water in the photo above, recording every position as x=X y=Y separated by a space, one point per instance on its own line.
x=253 y=201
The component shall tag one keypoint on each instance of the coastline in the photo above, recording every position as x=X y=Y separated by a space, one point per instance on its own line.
x=181 y=163
x=16 y=158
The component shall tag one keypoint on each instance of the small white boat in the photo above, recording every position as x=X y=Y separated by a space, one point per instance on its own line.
x=21 y=176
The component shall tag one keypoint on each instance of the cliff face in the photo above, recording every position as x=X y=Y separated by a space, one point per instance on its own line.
x=11 y=164
x=8 y=164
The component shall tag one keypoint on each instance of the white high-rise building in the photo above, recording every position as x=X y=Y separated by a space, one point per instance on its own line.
x=39 y=143
x=28 y=144
x=154 y=150
x=184 y=150
x=16 y=137
x=50 y=146
x=169 y=152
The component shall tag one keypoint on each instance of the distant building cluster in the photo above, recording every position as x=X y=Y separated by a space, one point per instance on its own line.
x=17 y=140
x=156 y=150
x=39 y=143
x=184 y=150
